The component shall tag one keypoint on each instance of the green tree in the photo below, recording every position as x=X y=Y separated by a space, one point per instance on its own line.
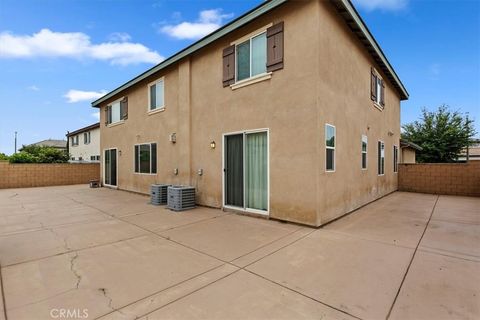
x=39 y=154
x=443 y=134
x=3 y=156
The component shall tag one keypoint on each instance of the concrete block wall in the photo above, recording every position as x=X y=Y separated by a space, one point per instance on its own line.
x=21 y=175
x=440 y=178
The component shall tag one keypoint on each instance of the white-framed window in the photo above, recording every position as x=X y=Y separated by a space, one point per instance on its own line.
x=74 y=140
x=86 y=137
x=381 y=158
x=145 y=158
x=395 y=158
x=251 y=57
x=364 y=151
x=330 y=147
x=113 y=114
x=156 y=95
x=379 y=97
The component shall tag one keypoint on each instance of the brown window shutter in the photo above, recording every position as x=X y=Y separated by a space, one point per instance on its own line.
x=228 y=66
x=124 y=108
x=382 y=96
x=373 y=85
x=275 y=47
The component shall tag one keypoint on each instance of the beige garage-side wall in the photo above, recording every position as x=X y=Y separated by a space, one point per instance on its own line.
x=285 y=105
x=343 y=88
x=323 y=81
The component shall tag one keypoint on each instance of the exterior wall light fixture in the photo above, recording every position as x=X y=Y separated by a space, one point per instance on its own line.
x=212 y=145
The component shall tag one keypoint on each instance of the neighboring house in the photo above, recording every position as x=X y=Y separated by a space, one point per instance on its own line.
x=409 y=151
x=472 y=153
x=57 y=144
x=84 y=144
x=290 y=111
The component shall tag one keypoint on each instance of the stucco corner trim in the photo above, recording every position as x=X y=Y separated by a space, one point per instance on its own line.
x=249 y=81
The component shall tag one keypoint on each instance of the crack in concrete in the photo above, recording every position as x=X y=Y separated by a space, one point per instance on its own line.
x=110 y=300
x=75 y=272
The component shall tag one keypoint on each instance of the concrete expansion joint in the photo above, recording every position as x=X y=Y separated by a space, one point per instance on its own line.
x=413 y=257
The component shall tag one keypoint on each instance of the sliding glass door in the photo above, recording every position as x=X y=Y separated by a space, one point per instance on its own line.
x=246 y=170
x=110 y=167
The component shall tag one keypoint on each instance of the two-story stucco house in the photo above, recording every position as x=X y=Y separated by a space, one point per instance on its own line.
x=291 y=111
x=84 y=144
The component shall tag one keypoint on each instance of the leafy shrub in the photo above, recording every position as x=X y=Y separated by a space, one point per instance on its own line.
x=22 y=157
x=38 y=154
x=3 y=156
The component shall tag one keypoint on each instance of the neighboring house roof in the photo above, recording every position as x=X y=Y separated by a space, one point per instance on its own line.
x=60 y=144
x=405 y=143
x=345 y=9
x=87 y=128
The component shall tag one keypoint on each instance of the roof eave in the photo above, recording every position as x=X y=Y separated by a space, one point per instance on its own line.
x=233 y=25
x=345 y=9
x=356 y=24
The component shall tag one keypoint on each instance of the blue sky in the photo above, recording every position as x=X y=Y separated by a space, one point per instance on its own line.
x=56 y=56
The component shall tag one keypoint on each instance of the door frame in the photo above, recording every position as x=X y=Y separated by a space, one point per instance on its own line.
x=244 y=208
x=103 y=173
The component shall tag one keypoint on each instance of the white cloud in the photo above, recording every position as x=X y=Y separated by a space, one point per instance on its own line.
x=119 y=37
x=96 y=115
x=390 y=5
x=47 y=43
x=33 y=88
x=79 y=95
x=207 y=22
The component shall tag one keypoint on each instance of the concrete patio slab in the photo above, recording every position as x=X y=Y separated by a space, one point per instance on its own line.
x=130 y=259
x=451 y=238
x=458 y=209
x=41 y=219
x=375 y=224
x=27 y=246
x=100 y=279
x=170 y=295
x=405 y=204
x=357 y=276
x=441 y=288
x=230 y=236
x=161 y=218
x=246 y=296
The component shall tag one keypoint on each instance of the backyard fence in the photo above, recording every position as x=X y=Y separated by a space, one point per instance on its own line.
x=23 y=175
x=441 y=178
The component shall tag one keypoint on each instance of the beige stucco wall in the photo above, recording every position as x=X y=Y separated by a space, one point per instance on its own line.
x=326 y=79
x=408 y=155
x=86 y=150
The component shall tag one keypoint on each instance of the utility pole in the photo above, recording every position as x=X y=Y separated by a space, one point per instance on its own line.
x=15 y=141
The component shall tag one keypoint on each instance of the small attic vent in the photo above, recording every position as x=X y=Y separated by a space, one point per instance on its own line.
x=181 y=198
x=158 y=194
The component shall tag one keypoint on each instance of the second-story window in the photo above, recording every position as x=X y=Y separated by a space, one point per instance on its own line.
x=377 y=89
x=251 y=57
x=86 y=137
x=75 y=140
x=117 y=111
x=156 y=95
